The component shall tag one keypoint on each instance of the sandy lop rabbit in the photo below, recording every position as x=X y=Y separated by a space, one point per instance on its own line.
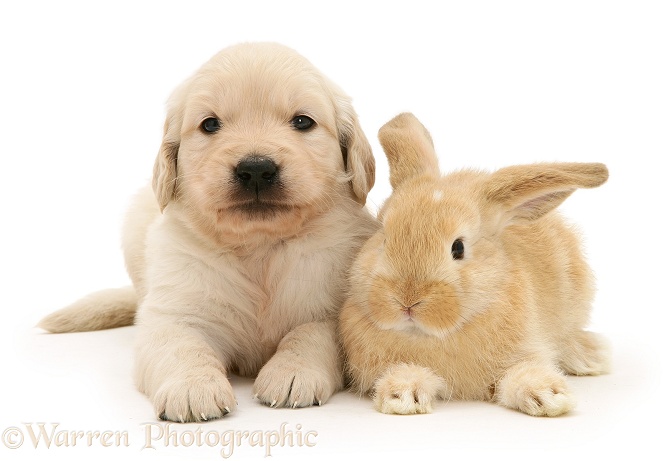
x=474 y=288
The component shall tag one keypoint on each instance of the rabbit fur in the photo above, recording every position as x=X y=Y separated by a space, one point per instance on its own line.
x=474 y=287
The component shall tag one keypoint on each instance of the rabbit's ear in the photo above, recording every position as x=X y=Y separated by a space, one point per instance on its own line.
x=528 y=192
x=408 y=147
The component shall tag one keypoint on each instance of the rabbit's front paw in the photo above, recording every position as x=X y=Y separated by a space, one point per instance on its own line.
x=536 y=391
x=407 y=389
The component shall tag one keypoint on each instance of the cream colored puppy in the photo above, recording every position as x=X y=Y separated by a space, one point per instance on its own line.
x=239 y=258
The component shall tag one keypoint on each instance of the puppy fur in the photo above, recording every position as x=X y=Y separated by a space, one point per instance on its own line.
x=235 y=277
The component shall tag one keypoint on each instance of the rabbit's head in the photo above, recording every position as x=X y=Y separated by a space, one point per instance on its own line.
x=441 y=256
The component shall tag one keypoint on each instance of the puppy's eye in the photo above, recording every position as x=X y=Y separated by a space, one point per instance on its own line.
x=458 y=249
x=302 y=122
x=210 y=125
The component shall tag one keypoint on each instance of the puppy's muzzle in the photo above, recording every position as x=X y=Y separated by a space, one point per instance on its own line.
x=257 y=174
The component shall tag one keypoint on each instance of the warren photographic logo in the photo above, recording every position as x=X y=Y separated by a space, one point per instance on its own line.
x=156 y=436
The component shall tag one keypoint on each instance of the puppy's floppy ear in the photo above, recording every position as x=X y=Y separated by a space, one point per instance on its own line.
x=165 y=169
x=356 y=150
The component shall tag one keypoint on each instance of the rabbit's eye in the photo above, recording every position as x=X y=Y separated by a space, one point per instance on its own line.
x=458 y=249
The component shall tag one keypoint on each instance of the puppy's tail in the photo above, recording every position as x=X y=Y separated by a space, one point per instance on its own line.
x=111 y=308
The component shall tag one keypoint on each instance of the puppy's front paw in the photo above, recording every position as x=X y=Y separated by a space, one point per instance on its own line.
x=407 y=389
x=203 y=395
x=535 y=391
x=288 y=381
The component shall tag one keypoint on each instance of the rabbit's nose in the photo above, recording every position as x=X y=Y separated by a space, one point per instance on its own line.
x=408 y=309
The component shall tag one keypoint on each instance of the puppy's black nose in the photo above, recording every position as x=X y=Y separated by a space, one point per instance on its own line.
x=256 y=173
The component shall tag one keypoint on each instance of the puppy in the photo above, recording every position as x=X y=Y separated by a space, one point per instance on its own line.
x=239 y=254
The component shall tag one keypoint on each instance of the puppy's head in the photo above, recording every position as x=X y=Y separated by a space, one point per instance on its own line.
x=259 y=141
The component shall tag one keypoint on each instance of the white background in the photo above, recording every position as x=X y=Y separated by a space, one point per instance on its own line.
x=83 y=87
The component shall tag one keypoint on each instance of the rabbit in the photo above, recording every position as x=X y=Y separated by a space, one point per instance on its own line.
x=474 y=288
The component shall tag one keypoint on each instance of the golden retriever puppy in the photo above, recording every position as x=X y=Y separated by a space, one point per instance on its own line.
x=239 y=254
